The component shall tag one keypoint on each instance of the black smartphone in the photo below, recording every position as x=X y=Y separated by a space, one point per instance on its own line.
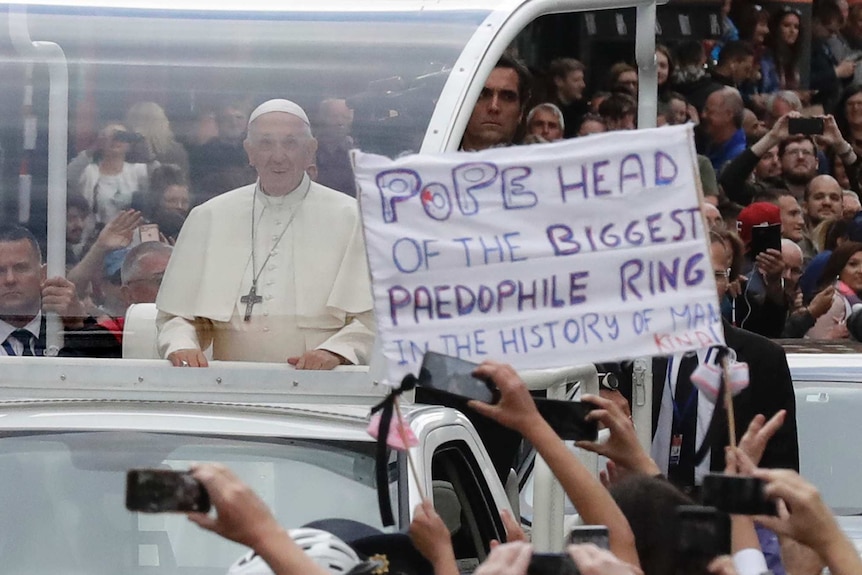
x=164 y=490
x=552 y=564
x=765 y=237
x=737 y=495
x=703 y=533
x=598 y=535
x=454 y=375
x=568 y=418
x=805 y=126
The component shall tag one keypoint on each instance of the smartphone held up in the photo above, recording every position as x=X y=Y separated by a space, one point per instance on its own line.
x=765 y=237
x=805 y=126
x=454 y=376
x=164 y=490
x=146 y=233
x=737 y=495
x=552 y=564
x=598 y=535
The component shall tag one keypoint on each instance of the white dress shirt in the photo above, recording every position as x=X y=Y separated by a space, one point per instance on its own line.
x=34 y=327
x=661 y=440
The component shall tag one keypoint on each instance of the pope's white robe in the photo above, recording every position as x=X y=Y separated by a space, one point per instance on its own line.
x=316 y=289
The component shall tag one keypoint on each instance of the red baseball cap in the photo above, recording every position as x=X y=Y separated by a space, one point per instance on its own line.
x=756 y=214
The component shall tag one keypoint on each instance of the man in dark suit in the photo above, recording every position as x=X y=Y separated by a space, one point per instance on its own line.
x=770 y=389
x=25 y=295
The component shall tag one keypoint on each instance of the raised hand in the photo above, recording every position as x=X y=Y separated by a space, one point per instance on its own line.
x=623 y=447
x=516 y=408
x=117 y=234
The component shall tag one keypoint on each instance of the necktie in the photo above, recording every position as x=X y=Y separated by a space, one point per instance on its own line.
x=25 y=338
x=684 y=424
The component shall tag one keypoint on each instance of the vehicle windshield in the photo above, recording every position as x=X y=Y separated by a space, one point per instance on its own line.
x=63 y=498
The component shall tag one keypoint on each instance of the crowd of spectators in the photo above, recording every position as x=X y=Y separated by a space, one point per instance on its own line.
x=132 y=190
x=742 y=93
x=633 y=501
x=760 y=163
x=136 y=184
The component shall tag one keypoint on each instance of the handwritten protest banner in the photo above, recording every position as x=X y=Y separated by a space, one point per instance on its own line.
x=549 y=255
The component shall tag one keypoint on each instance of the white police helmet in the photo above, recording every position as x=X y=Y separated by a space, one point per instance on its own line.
x=323 y=547
x=250 y=564
x=326 y=549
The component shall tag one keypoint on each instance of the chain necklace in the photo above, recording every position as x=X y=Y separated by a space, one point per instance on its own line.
x=252 y=297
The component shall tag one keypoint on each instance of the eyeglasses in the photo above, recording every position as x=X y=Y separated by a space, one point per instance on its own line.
x=154 y=279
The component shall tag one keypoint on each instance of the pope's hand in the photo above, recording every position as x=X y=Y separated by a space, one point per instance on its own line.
x=316 y=359
x=188 y=358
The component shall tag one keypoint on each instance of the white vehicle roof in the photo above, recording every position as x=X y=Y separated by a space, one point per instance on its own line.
x=203 y=417
x=294 y=6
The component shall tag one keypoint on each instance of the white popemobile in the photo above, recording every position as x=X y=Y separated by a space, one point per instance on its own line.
x=70 y=428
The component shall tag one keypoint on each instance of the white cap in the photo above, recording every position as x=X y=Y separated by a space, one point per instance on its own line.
x=279 y=105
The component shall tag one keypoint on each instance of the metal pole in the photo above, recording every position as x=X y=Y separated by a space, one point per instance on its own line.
x=645 y=56
x=58 y=121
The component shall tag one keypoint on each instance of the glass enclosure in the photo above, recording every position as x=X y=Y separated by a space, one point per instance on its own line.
x=63 y=498
x=390 y=66
x=159 y=101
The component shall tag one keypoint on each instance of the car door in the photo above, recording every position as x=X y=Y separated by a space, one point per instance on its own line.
x=466 y=492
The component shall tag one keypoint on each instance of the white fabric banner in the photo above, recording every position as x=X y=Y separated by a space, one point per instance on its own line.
x=580 y=251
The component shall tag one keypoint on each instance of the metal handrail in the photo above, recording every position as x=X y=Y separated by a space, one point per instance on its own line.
x=58 y=123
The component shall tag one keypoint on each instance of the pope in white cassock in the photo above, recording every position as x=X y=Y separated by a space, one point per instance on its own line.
x=275 y=271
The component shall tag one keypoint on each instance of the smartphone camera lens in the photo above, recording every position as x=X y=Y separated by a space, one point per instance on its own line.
x=609 y=381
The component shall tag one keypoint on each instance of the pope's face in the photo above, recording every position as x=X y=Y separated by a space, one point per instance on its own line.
x=280 y=147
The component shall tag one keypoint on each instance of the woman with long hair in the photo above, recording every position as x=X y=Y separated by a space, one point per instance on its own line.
x=150 y=121
x=664 y=70
x=105 y=176
x=780 y=64
x=843 y=270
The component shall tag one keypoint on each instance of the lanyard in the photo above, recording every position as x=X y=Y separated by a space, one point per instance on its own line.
x=678 y=415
